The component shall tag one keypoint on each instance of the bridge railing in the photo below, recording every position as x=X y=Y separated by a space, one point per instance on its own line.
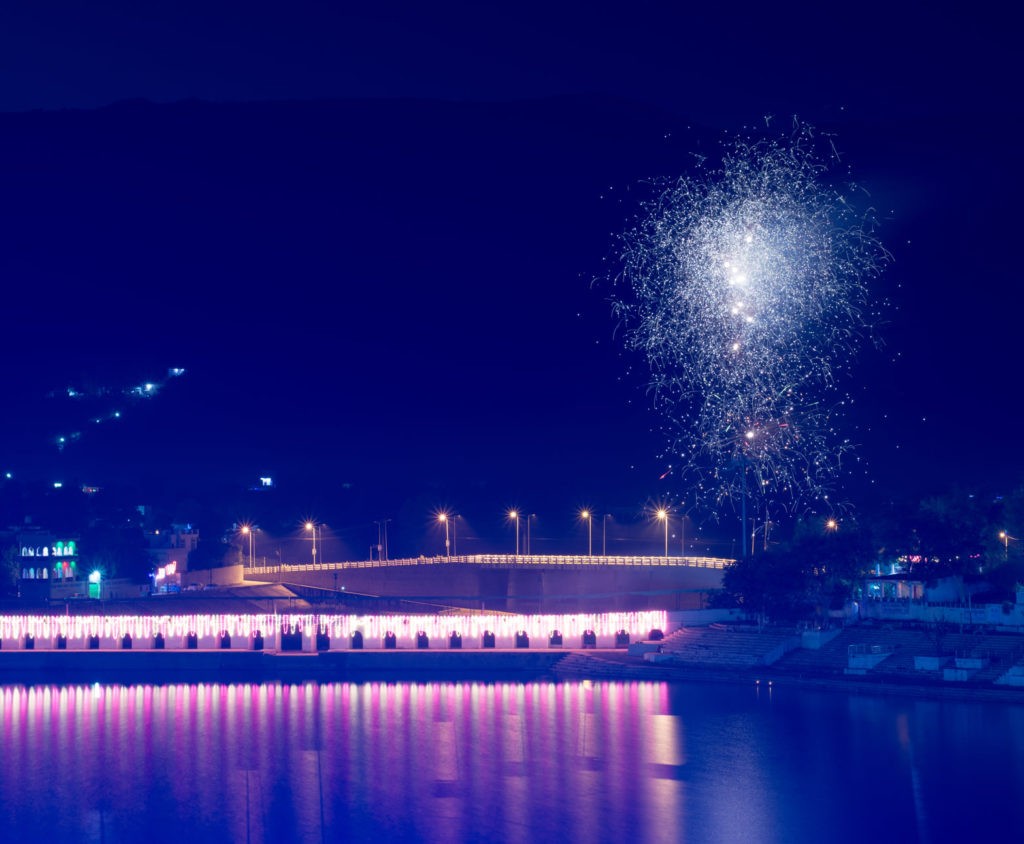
x=505 y=561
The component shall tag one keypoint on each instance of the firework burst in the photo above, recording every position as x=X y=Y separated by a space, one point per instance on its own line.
x=745 y=287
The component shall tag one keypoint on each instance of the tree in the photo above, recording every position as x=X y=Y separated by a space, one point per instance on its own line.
x=954 y=531
x=118 y=550
x=805 y=578
x=769 y=585
x=9 y=572
x=208 y=554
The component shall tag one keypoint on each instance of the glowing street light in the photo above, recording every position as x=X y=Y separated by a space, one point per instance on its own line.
x=247 y=530
x=662 y=514
x=587 y=516
x=1003 y=535
x=311 y=527
x=443 y=519
x=514 y=515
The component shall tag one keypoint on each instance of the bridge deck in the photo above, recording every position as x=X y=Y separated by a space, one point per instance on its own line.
x=506 y=561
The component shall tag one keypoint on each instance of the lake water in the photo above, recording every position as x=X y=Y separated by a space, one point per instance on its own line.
x=570 y=762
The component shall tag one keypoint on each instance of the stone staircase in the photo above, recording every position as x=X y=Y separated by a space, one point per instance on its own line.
x=1001 y=651
x=595 y=666
x=729 y=645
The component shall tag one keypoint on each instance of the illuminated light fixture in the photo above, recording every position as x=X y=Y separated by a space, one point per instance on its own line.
x=95 y=576
x=514 y=516
x=662 y=515
x=442 y=517
x=312 y=527
x=587 y=516
x=339 y=627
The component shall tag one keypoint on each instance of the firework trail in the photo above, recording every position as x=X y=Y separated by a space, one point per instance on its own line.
x=745 y=288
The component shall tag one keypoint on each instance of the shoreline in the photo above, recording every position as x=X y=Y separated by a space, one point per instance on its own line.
x=402 y=665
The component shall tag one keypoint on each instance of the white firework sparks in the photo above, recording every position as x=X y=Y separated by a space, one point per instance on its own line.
x=746 y=289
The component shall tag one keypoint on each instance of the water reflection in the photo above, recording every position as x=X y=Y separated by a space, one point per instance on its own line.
x=501 y=762
x=434 y=761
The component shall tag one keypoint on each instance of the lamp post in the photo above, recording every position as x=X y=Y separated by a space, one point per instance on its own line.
x=247 y=530
x=382 y=532
x=587 y=517
x=1003 y=535
x=514 y=516
x=604 y=534
x=311 y=526
x=443 y=519
x=663 y=515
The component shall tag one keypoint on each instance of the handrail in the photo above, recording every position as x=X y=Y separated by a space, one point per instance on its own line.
x=504 y=560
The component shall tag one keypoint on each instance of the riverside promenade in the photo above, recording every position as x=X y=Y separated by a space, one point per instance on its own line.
x=304 y=645
x=202 y=638
x=856 y=659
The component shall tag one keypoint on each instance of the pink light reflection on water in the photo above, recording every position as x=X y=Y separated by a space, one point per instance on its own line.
x=434 y=761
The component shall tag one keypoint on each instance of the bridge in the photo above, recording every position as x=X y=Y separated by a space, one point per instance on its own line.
x=528 y=561
x=517 y=582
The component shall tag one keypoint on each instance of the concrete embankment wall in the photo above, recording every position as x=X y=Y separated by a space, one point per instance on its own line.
x=222 y=576
x=254 y=666
x=570 y=589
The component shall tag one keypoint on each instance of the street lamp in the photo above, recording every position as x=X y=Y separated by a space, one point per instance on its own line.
x=1003 y=535
x=663 y=515
x=443 y=519
x=247 y=530
x=514 y=516
x=382 y=533
x=604 y=534
x=311 y=526
x=588 y=518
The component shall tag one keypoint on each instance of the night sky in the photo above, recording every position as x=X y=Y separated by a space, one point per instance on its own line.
x=375 y=240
